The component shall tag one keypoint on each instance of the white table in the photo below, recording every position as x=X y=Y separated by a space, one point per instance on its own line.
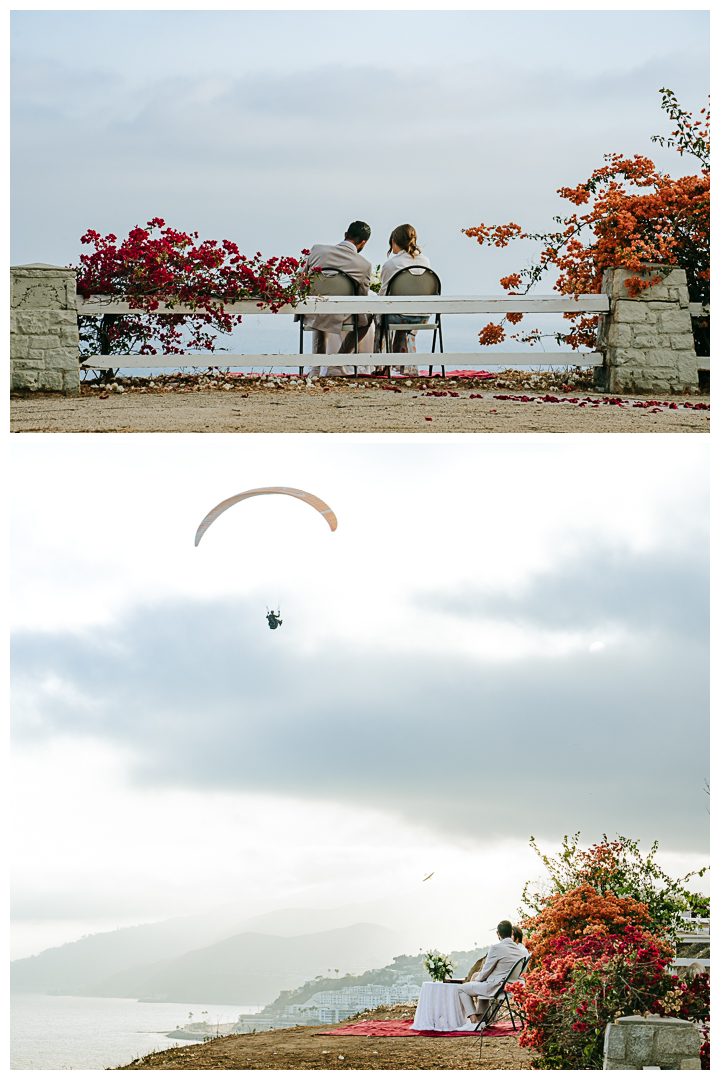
x=439 y=1008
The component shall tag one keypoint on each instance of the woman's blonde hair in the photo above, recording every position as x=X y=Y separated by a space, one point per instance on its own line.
x=406 y=238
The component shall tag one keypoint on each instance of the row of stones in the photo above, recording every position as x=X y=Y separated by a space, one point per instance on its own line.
x=43 y=340
x=55 y=380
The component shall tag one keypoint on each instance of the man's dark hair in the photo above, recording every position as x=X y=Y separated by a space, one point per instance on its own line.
x=358 y=230
x=504 y=928
x=517 y=934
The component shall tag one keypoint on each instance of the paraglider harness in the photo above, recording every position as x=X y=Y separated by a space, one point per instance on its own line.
x=274 y=620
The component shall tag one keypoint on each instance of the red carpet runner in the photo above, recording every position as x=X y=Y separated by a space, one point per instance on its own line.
x=403 y=1028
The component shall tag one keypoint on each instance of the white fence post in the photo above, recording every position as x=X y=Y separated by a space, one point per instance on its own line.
x=647 y=339
x=43 y=329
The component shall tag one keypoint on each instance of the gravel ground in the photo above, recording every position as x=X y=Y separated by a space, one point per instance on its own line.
x=349 y=406
x=300 y=1048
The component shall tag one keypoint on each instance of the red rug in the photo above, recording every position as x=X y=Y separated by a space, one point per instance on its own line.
x=403 y=1028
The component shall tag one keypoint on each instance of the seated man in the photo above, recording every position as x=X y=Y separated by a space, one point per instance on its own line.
x=498 y=963
x=344 y=256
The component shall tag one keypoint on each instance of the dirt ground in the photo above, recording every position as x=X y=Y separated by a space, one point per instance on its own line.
x=351 y=406
x=301 y=1048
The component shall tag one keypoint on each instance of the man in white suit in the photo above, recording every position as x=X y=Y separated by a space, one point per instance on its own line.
x=498 y=963
x=344 y=256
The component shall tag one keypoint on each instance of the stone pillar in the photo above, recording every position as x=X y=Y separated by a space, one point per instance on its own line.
x=43 y=329
x=647 y=339
x=636 y=1042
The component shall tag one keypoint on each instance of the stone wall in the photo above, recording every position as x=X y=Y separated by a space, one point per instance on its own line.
x=634 y=1042
x=647 y=340
x=43 y=329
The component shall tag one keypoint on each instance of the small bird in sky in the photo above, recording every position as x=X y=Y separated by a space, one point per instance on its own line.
x=428 y=877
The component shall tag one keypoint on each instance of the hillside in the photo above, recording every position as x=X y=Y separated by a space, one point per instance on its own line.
x=69 y=968
x=251 y=968
x=412 y=966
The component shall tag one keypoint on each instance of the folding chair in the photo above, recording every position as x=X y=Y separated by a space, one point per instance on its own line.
x=413 y=281
x=502 y=997
x=331 y=282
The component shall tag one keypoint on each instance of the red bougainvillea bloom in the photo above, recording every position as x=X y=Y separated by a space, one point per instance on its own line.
x=583 y=984
x=159 y=265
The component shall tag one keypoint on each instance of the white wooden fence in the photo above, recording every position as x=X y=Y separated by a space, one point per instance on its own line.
x=590 y=303
x=371 y=305
x=698 y=933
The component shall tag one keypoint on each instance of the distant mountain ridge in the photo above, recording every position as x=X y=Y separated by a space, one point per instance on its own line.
x=252 y=968
x=154 y=962
x=65 y=969
x=69 y=968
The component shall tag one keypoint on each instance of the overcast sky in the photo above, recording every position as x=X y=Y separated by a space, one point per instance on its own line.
x=275 y=129
x=432 y=699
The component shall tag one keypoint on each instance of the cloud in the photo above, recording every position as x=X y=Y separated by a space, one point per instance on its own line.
x=243 y=148
x=651 y=593
x=203 y=697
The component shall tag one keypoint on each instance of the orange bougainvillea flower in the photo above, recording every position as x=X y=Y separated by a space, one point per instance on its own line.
x=635 y=216
x=492 y=334
x=570 y=914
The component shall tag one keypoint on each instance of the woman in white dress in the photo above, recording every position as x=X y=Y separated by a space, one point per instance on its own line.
x=405 y=252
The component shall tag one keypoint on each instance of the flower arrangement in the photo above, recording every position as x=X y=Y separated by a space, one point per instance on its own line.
x=438 y=965
x=375 y=280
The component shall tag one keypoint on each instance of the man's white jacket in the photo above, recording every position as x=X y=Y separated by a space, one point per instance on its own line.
x=498 y=963
x=346 y=257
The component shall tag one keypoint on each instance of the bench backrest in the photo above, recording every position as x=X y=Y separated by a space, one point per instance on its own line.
x=331 y=282
x=414 y=281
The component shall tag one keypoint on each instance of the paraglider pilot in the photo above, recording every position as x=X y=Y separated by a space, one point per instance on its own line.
x=273 y=620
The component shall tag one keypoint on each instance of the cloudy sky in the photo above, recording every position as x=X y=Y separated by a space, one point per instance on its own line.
x=434 y=697
x=276 y=128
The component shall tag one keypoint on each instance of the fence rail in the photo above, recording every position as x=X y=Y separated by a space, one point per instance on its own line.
x=588 y=303
x=295 y=360
x=376 y=305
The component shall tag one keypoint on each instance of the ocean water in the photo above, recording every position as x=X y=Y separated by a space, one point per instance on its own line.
x=48 y=1032
x=279 y=334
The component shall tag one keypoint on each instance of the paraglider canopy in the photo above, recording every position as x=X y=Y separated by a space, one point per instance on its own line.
x=305 y=496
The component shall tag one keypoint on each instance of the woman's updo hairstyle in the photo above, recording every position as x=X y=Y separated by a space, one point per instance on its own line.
x=406 y=238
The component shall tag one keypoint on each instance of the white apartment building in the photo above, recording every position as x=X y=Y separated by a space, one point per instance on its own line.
x=364 y=997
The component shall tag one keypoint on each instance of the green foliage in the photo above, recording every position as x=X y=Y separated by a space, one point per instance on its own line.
x=686 y=138
x=617 y=867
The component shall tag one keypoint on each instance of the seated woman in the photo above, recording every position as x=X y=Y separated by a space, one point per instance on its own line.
x=405 y=252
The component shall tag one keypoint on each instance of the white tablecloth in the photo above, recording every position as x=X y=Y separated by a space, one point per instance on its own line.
x=439 y=1008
